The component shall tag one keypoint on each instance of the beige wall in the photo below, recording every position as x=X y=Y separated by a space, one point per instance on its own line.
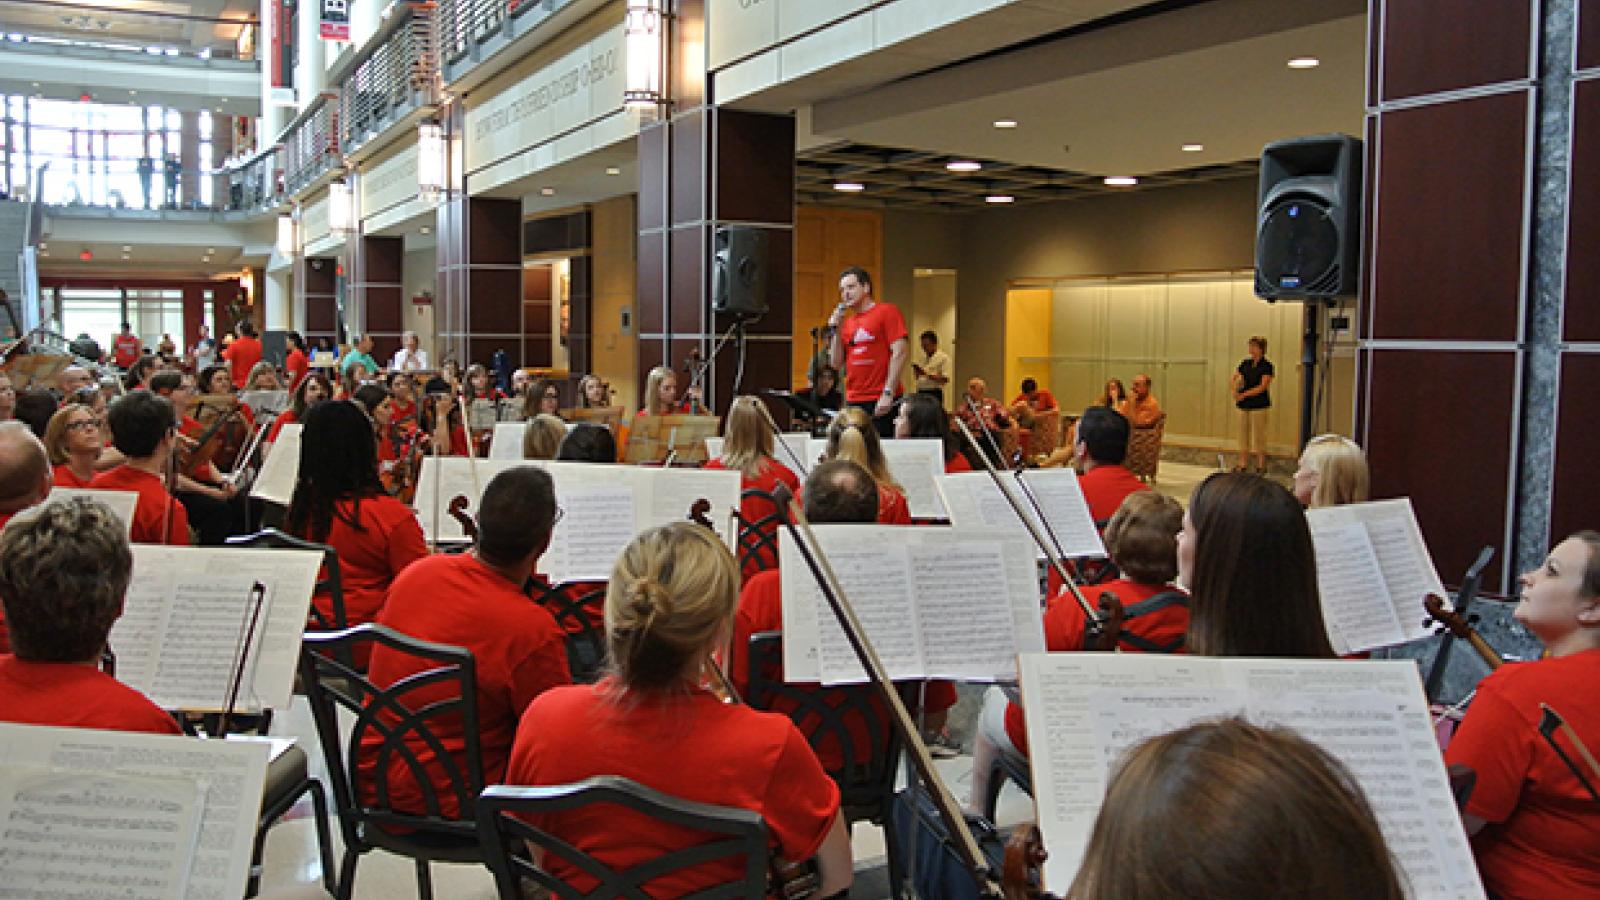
x=417 y=274
x=613 y=352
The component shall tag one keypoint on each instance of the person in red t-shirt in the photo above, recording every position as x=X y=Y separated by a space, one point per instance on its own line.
x=475 y=600
x=669 y=606
x=74 y=439
x=24 y=480
x=339 y=501
x=1098 y=450
x=747 y=448
x=875 y=335
x=215 y=505
x=243 y=354
x=441 y=420
x=852 y=437
x=1031 y=401
x=1143 y=541
x=295 y=363
x=125 y=347
x=63 y=573
x=144 y=429
x=1535 y=829
x=921 y=416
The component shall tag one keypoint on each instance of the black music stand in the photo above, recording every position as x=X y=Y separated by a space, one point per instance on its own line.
x=803 y=409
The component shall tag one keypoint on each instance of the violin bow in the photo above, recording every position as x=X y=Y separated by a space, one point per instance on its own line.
x=966 y=846
x=257 y=599
x=1550 y=723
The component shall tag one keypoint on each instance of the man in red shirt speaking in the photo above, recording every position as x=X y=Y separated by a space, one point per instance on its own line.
x=875 y=335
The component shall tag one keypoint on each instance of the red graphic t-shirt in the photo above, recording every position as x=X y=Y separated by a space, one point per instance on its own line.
x=867 y=340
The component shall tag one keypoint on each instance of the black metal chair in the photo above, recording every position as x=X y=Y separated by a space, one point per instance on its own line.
x=586 y=641
x=331 y=580
x=757 y=540
x=1001 y=770
x=738 y=834
x=400 y=718
x=288 y=780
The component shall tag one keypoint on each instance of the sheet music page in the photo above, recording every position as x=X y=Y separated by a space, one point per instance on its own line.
x=1084 y=710
x=598 y=523
x=713 y=448
x=1403 y=557
x=507 y=440
x=96 y=836
x=455 y=476
x=672 y=492
x=975 y=502
x=123 y=503
x=918 y=463
x=275 y=482
x=261 y=402
x=1355 y=602
x=482 y=414
x=207 y=624
x=229 y=774
x=970 y=615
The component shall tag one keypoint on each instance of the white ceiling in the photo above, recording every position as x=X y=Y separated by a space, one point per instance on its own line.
x=142 y=22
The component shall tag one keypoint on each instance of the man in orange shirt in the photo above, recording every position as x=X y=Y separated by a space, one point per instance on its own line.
x=1032 y=399
x=1143 y=410
x=243 y=354
x=875 y=335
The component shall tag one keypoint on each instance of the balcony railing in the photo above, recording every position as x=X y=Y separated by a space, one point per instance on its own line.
x=257 y=182
x=473 y=31
x=311 y=143
x=394 y=74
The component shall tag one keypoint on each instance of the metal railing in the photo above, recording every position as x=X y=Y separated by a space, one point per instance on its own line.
x=395 y=73
x=464 y=22
x=311 y=143
x=256 y=182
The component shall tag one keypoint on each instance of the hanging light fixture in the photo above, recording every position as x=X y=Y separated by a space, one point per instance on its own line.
x=643 y=37
x=286 y=234
x=430 y=160
x=341 y=207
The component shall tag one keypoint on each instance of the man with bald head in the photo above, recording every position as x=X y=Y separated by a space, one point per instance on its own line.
x=982 y=412
x=24 y=470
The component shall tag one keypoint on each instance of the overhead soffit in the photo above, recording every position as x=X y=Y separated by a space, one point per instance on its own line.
x=140 y=22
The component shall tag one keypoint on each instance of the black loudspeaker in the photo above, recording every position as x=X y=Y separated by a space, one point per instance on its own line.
x=739 y=272
x=1308 y=224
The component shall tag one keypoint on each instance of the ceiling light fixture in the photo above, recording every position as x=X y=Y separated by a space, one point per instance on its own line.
x=1005 y=123
x=644 y=35
x=849 y=187
x=1304 y=62
x=1120 y=181
x=999 y=198
x=613 y=170
x=431 y=160
x=547 y=191
x=127 y=248
x=963 y=165
x=1193 y=148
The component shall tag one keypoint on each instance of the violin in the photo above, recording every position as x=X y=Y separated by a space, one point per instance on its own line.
x=401 y=480
x=195 y=452
x=235 y=430
x=1461 y=627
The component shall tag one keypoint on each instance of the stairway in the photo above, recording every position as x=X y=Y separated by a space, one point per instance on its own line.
x=13 y=233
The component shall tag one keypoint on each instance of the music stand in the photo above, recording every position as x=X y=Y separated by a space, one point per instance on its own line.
x=652 y=439
x=803 y=409
x=609 y=416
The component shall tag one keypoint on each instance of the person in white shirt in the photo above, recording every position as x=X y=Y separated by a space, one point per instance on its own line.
x=409 y=358
x=933 y=373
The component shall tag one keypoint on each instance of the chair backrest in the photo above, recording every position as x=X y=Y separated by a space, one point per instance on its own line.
x=331 y=580
x=586 y=640
x=758 y=537
x=736 y=835
x=847 y=725
x=395 y=720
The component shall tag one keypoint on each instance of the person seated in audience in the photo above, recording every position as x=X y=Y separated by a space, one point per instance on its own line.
x=1227 y=810
x=982 y=412
x=475 y=600
x=1332 y=472
x=410 y=356
x=543 y=437
x=853 y=436
x=921 y=416
x=1030 y=401
x=747 y=447
x=34 y=408
x=1142 y=540
x=835 y=491
x=144 y=429
x=63 y=573
x=1114 y=397
x=669 y=606
x=139 y=371
x=1142 y=409
x=74 y=442
x=441 y=420
x=1533 y=825
x=587 y=442
x=1245 y=557
x=543 y=399
x=339 y=500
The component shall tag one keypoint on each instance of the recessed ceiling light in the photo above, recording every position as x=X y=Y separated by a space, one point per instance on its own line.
x=211 y=250
x=547 y=191
x=1193 y=148
x=127 y=248
x=613 y=170
x=1005 y=123
x=849 y=187
x=963 y=165
x=1120 y=181
x=427 y=230
x=999 y=198
x=1304 y=62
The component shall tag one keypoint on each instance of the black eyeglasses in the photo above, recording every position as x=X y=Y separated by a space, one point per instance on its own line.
x=84 y=423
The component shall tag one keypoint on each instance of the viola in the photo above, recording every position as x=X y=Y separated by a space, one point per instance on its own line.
x=234 y=430
x=1461 y=627
x=195 y=452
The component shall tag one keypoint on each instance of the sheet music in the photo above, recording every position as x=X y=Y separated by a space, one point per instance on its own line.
x=934 y=603
x=275 y=482
x=918 y=463
x=597 y=526
x=265 y=402
x=1354 y=597
x=672 y=492
x=229 y=776
x=482 y=414
x=96 y=836
x=185 y=614
x=975 y=502
x=1400 y=570
x=1084 y=710
x=456 y=476
x=122 y=503
x=507 y=440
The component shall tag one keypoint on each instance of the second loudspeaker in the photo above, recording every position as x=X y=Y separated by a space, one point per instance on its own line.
x=739 y=271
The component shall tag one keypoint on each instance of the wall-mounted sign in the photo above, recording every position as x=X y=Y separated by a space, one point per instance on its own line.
x=334 y=24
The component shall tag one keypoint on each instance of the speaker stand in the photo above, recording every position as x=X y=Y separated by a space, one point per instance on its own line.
x=1310 y=338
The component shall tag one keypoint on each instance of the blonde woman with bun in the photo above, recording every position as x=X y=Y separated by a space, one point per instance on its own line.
x=669 y=607
x=854 y=437
x=1333 y=472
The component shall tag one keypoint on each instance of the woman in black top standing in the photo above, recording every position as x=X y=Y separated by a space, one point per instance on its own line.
x=1251 y=382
